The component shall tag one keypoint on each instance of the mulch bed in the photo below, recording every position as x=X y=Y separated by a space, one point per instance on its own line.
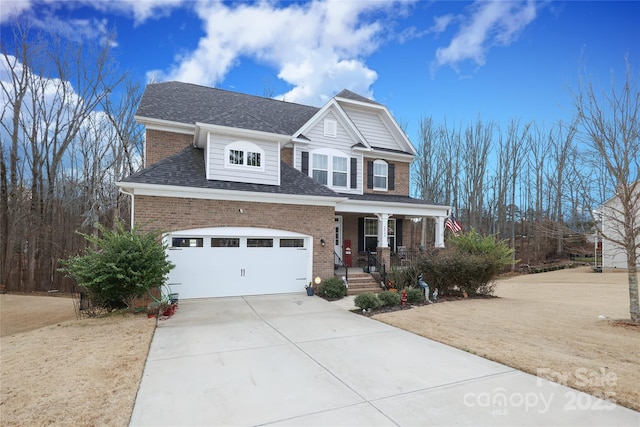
x=392 y=308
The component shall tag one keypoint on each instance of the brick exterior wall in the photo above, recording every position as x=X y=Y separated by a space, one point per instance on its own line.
x=286 y=155
x=162 y=144
x=401 y=179
x=174 y=214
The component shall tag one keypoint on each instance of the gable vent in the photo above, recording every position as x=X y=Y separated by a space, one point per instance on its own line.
x=330 y=128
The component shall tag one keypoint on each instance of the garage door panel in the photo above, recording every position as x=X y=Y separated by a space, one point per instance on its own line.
x=282 y=270
x=207 y=271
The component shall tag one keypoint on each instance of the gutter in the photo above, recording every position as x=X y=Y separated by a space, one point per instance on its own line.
x=133 y=200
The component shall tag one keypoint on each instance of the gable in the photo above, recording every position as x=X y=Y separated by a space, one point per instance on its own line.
x=378 y=129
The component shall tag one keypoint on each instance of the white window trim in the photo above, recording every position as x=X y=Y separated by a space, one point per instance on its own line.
x=386 y=177
x=246 y=147
x=313 y=168
x=330 y=155
x=390 y=236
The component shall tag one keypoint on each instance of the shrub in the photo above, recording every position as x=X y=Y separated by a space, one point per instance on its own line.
x=470 y=264
x=414 y=295
x=389 y=298
x=403 y=277
x=333 y=288
x=366 y=301
x=119 y=266
x=489 y=247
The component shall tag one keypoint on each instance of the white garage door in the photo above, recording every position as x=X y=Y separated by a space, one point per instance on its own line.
x=230 y=261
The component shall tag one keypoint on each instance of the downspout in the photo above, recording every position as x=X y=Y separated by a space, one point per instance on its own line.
x=132 y=204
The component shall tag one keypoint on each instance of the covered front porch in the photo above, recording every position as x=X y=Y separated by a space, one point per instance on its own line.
x=374 y=232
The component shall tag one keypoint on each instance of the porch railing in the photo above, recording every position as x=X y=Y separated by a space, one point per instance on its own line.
x=404 y=257
x=338 y=263
x=376 y=267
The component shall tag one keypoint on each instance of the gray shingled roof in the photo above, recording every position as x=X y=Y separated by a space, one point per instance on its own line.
x=355 y=97
x=187 y=169
x=189 y=103
x=389 y=198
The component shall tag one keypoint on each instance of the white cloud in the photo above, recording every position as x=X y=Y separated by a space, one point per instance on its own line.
x=141 y=10
x=492 y=23
x=13 y=8
x=317 y=47
x=440 y=23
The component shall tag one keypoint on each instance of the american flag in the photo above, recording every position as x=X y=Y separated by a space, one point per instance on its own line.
x=453 y=225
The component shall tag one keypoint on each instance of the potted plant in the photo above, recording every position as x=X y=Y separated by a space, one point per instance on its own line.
x=153 y=309
x=310 y=289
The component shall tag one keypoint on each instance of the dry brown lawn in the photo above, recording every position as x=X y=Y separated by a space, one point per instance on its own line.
x=548 y=322
x=56 y=370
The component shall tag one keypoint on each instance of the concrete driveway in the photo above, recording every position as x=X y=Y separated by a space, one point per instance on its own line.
x=293 y=360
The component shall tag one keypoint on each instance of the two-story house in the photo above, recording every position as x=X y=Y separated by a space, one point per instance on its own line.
x=260 y=196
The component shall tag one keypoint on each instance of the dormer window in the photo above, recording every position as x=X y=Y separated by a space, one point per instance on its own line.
x=380 y=175
x=243 y=154
x=236 y=157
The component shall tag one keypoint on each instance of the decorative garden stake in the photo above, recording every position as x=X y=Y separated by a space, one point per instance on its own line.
x=425 y=288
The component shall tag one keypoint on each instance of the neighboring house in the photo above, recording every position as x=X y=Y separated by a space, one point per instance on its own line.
x=261 y=196
x=613 y=254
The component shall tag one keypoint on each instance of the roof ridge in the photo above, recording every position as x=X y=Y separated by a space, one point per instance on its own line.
x=232 y=92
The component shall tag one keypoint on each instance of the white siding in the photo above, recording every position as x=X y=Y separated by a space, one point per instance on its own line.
x=216 y=163
x=613 y=255
x=342 y=143
x=372 y=127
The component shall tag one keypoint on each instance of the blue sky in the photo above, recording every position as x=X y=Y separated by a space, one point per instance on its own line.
x=455 y=60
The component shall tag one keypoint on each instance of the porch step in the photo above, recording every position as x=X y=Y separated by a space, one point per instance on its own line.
x=362 y=282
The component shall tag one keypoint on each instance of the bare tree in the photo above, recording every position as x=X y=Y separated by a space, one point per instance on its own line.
x=562 y=149
x=610 y=124
x=53 y=87
x=475 y=154
x=126 y=145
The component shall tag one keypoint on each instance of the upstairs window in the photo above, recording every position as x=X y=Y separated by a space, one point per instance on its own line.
x=380 y=175
x=236 y=157
x=339 y=171
x=320 y=168
x=253 y=159
x=330 y=169
x=242 y=154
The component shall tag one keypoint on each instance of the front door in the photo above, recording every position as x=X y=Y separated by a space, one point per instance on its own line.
x=337 y=239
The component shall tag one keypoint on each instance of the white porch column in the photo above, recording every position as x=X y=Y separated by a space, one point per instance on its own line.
x=439 y=243
x=383 y=234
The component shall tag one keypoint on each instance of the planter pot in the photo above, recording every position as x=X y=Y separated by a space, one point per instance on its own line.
x=310 y=291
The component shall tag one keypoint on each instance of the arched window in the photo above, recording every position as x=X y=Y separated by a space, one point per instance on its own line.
x=243 y=154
